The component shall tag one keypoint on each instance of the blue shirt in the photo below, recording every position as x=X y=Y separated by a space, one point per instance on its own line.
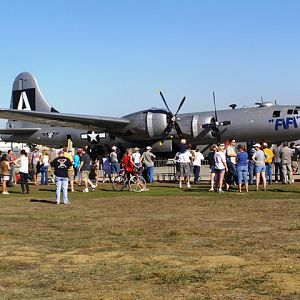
x=242 y=159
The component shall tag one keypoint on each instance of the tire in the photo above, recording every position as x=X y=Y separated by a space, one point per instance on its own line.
x=137 y=184
x=118 y=183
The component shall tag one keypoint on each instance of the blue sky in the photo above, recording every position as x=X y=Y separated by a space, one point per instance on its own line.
x=110 y=58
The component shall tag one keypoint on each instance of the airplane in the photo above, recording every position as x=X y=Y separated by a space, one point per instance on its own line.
x=32 y=120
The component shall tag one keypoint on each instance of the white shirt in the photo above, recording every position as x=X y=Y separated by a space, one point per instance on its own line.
x=184 y=157
x=23 y=164
x=219 y=159
x=136 y=156
x=198 y=157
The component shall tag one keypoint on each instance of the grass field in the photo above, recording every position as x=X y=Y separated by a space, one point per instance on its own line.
x=162 y=244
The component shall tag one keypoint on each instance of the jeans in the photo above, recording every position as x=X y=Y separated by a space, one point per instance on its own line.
x=269 y=169
x=150 y=174
x=24 y=182
x=251 y=170
x=278 y=172
x=242 y=173
x=231 y=176
x=44 y=175
x=61 y=184
x=196 y=171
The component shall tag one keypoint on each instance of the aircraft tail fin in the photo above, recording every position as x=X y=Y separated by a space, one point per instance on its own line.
x=26 y=95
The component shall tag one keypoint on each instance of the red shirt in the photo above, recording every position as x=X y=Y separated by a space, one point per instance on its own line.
x=127 y=163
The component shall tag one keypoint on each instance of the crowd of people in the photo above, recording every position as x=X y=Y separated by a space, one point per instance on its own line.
x=230 y=165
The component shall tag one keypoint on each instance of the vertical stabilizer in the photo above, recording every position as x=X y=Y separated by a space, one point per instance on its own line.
x=26 y=95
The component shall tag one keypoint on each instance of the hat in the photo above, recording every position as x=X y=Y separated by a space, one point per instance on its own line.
x=257 y=145
x=136 y=149
x=265 y=144
x=61 y=152
x=114 y=148
x=148 y=148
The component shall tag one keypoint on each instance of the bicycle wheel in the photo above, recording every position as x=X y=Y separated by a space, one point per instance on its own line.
x=118 y=183
x=137 y=183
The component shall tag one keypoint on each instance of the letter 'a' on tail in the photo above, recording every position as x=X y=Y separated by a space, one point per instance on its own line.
x=26 y=95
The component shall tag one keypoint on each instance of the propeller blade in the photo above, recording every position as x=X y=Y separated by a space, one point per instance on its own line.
x=224 y=123
x=165 y=102
x=216 y=116
x=178 y=130
x=180 y=105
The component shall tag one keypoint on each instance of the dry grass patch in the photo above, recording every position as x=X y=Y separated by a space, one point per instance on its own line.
x=164 y=244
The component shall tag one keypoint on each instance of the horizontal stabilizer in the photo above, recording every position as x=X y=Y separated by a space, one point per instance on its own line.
x=19 y=131
x=65 y=120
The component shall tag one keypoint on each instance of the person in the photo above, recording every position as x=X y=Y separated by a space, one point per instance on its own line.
x=182 y=146
x=76 y=165
x=106 y=167
x=269 y=162
x=251 y=163
x=5 y=172
x=34 y=162
x=231 y=162
x=61 y=164
x=242 y=167
x=148 y=161
x=85 y=168
x=184 y=159
x=198 y=157
x=68 y=154
x=137 y=157
x=127 y=163
x=277 y=163
x=220 y=166
x=44 y=165
x=12 y=173
x=295 y=157
x=114 y=162
x=211 y=162
x=23 y=163
x=286 y=154
x=259 y=158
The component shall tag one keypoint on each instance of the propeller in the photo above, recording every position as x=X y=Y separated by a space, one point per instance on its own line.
x=171 y=120
x=215 y=124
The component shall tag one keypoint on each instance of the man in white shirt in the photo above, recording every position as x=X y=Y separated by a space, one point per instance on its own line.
x=184 y=160
x=198 y=157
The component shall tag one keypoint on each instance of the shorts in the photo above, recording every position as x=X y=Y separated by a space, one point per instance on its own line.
x=5 y=177
x=260 y=169
x=213 y=169
x=184 y=170
x=219 y=170
x=34 y=169
x=71 y=174
x=85 y=175
x=115 y=168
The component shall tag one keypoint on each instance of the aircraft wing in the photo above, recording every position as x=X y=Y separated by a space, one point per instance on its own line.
x=66 y=120
x=19 y=131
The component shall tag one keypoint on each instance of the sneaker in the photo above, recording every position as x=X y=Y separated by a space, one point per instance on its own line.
x=220 y=191
x=86 y=190
x=68 y=203
x=211 y=190
x=5 y=193
x=94 y=186
x=188 y=186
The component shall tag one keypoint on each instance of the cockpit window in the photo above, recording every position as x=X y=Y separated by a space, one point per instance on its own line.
x=290 y=111
x=295 y=112
x=276 y=113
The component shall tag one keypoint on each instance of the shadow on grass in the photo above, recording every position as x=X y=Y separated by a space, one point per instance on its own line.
x=42 y=201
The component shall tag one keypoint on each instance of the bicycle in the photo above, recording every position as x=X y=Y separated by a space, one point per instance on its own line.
x=135 y=183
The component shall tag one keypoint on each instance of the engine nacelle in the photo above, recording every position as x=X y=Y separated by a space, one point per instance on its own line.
x=156 y=123
x=198 y=131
